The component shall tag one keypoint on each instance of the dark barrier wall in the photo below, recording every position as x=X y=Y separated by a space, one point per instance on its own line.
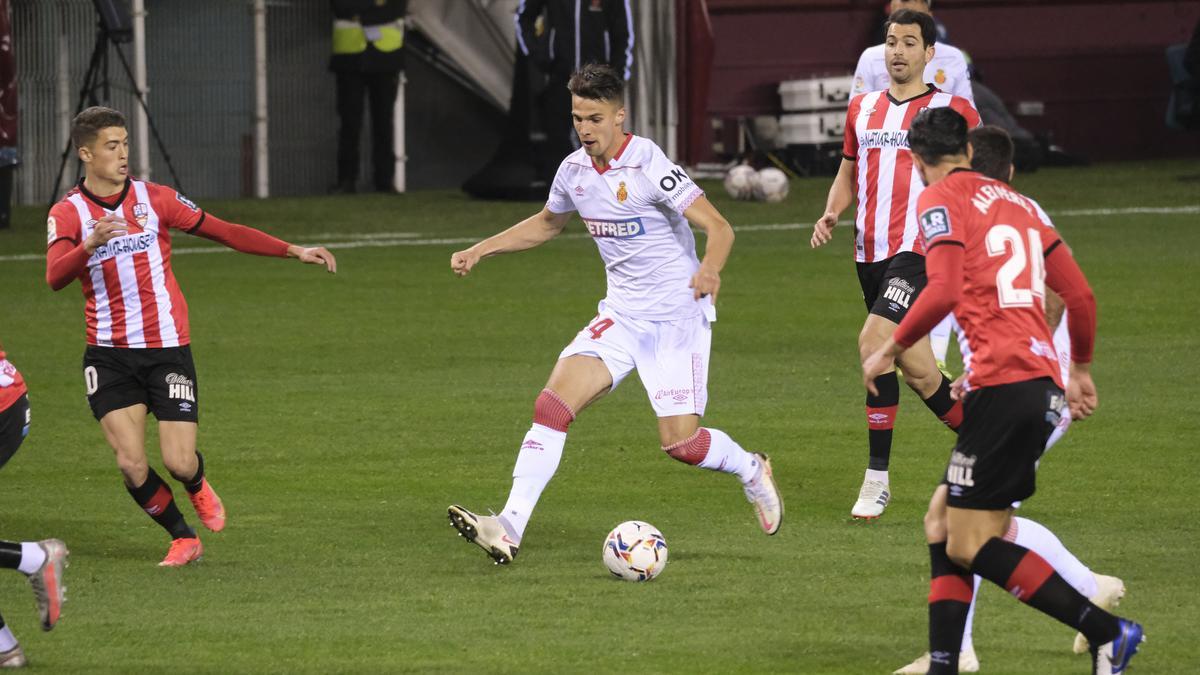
x=1097 y=67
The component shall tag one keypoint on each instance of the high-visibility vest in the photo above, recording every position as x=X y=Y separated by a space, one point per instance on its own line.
x=350 y=36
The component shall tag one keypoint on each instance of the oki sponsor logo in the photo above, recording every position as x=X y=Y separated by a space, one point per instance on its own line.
x=879 y=138
x=623 y=229
x=180 y=388
x=128 y=245
x=680 y=396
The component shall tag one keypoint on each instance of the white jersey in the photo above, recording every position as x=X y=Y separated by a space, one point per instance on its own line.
x=947 y=71
x=634 y=212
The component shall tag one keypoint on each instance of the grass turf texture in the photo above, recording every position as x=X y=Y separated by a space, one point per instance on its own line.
x=341 y=415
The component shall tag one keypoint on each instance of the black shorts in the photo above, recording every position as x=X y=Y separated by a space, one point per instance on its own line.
x=891 y=286
x=14 y=427
x=163 y=379
x=1002 y=437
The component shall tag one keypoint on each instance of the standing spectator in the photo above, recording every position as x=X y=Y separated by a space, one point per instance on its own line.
x=367 y=60
x=560 y=37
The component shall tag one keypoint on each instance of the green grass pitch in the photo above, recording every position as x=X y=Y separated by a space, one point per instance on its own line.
x=342 y=414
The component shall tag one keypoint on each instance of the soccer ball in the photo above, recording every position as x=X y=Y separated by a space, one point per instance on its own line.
x=772 y=185
x=741 y=182
x=635 y=551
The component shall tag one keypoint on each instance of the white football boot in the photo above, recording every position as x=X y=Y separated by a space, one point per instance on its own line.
x=1109 y=591
x=764 y=495
x=873 y=498
x=967 y=663
x=486 y=532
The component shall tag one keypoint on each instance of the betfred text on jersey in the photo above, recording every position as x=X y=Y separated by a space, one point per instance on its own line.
x=122 y=246
x=617 y=229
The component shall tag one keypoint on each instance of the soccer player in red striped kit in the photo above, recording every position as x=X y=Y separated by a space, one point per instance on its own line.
x=877 y=167
x=990 y=258
x=112 y=232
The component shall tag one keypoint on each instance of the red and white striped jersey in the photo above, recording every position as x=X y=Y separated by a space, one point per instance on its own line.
x=886 y=180
x=133 y=300
x=12 y=385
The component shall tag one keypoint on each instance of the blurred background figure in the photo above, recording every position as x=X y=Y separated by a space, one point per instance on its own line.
x=367 y=59
x=9 y=157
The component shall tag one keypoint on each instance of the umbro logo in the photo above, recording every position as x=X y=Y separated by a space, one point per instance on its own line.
x=579 y=189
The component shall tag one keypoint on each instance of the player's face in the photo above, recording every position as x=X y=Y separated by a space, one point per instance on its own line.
x=906 y=53
x=599 y=125
x=107 y=157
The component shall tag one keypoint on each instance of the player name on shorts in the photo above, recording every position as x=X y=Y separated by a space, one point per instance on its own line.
x=988 y=194
x=623 y=229
x=882 y=138
x=127 y=245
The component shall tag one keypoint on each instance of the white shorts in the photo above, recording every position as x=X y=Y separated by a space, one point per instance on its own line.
x=671 y=357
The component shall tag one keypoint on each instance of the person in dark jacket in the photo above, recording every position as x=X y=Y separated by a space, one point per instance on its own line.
x=367 y=60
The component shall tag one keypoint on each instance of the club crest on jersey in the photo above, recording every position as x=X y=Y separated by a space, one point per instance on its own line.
x=141 y=213
x=187 y=202
x=940 y=77
x=935 y=222
x=615 y=229
x=622 y=193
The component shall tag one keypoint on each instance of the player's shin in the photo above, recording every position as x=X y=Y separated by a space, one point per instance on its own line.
x=1032 y=580
x=713 y=449
x=194 y=483
x=951 y=590
x=881 y=417
x=949 y=411
x=8 y=642
x=537 y=460
x=156 y=499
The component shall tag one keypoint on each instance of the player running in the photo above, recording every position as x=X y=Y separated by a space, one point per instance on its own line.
x=992 y=152
x=656 y=317
x=877 y=167
x=990 y=257
x=42 y=562
x=112 y=232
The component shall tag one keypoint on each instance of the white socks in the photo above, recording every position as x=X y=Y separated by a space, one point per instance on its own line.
x=32 y=557
x=966 y=639
x=1037 y=538
x=724 y=454
x=872 y=474
x=7 y=641
x=939 y=338
x=536 y=464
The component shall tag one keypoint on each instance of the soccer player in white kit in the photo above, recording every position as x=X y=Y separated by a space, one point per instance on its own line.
x=992 y=156
x=655 y=318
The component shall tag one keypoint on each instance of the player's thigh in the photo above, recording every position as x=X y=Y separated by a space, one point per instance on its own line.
x=169 y=376
x=596 y=361
x=111 y=379
x=875 y=331
x=580 y=380
x=677 y=428
x=125 y=431
x=967 y=530
x=177 y=441
x=14 y=427
x=672 y=363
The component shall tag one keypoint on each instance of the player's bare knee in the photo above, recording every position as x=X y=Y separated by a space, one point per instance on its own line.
x=550 y=410
x=692 y=449
x=133 y=467
x=961 y=550
x=182 y=467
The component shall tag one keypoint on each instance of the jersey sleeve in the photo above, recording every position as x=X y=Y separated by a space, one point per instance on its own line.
x=965 y=108
x=937 y=217
x=175 y=210
x=670 y=183
x=862 y=75
x=849 y=134
x=1041 y=214
x=560 y=200
x=961 y=77
x=63 y=223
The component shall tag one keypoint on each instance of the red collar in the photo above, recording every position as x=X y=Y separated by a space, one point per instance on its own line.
x=628 y=137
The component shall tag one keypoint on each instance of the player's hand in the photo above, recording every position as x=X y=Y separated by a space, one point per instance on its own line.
x=317 y=255
x=1081 y=393
x=823 y=229
x=958 y=388
x=107 y=228
x=876 y=364
x=462 y=262
x=704 y=282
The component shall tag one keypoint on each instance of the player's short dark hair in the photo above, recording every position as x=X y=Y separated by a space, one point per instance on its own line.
x=993 y=152
x=908 y=17
x=88 y=123
x=936 y=133
x=597 y=82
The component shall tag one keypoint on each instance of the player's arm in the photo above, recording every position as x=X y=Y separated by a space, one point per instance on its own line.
x=66 y=259
x=533 y=231
x=841 y=194
x=1064 y=276
x=256 y=242
x=944 y=268
x=719 y=242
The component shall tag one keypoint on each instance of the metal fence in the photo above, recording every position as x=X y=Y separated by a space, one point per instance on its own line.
x=200 y=79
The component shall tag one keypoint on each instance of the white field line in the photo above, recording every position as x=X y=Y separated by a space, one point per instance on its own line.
x=349 y=240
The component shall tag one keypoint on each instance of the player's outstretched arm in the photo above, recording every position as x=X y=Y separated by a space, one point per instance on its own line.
x=255 y=242
x=840 y=195
x=533 y=231
x=707 y=279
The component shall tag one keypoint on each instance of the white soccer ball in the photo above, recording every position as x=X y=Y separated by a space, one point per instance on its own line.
x=741 y=181
x=772 y=185
x=635 y=551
